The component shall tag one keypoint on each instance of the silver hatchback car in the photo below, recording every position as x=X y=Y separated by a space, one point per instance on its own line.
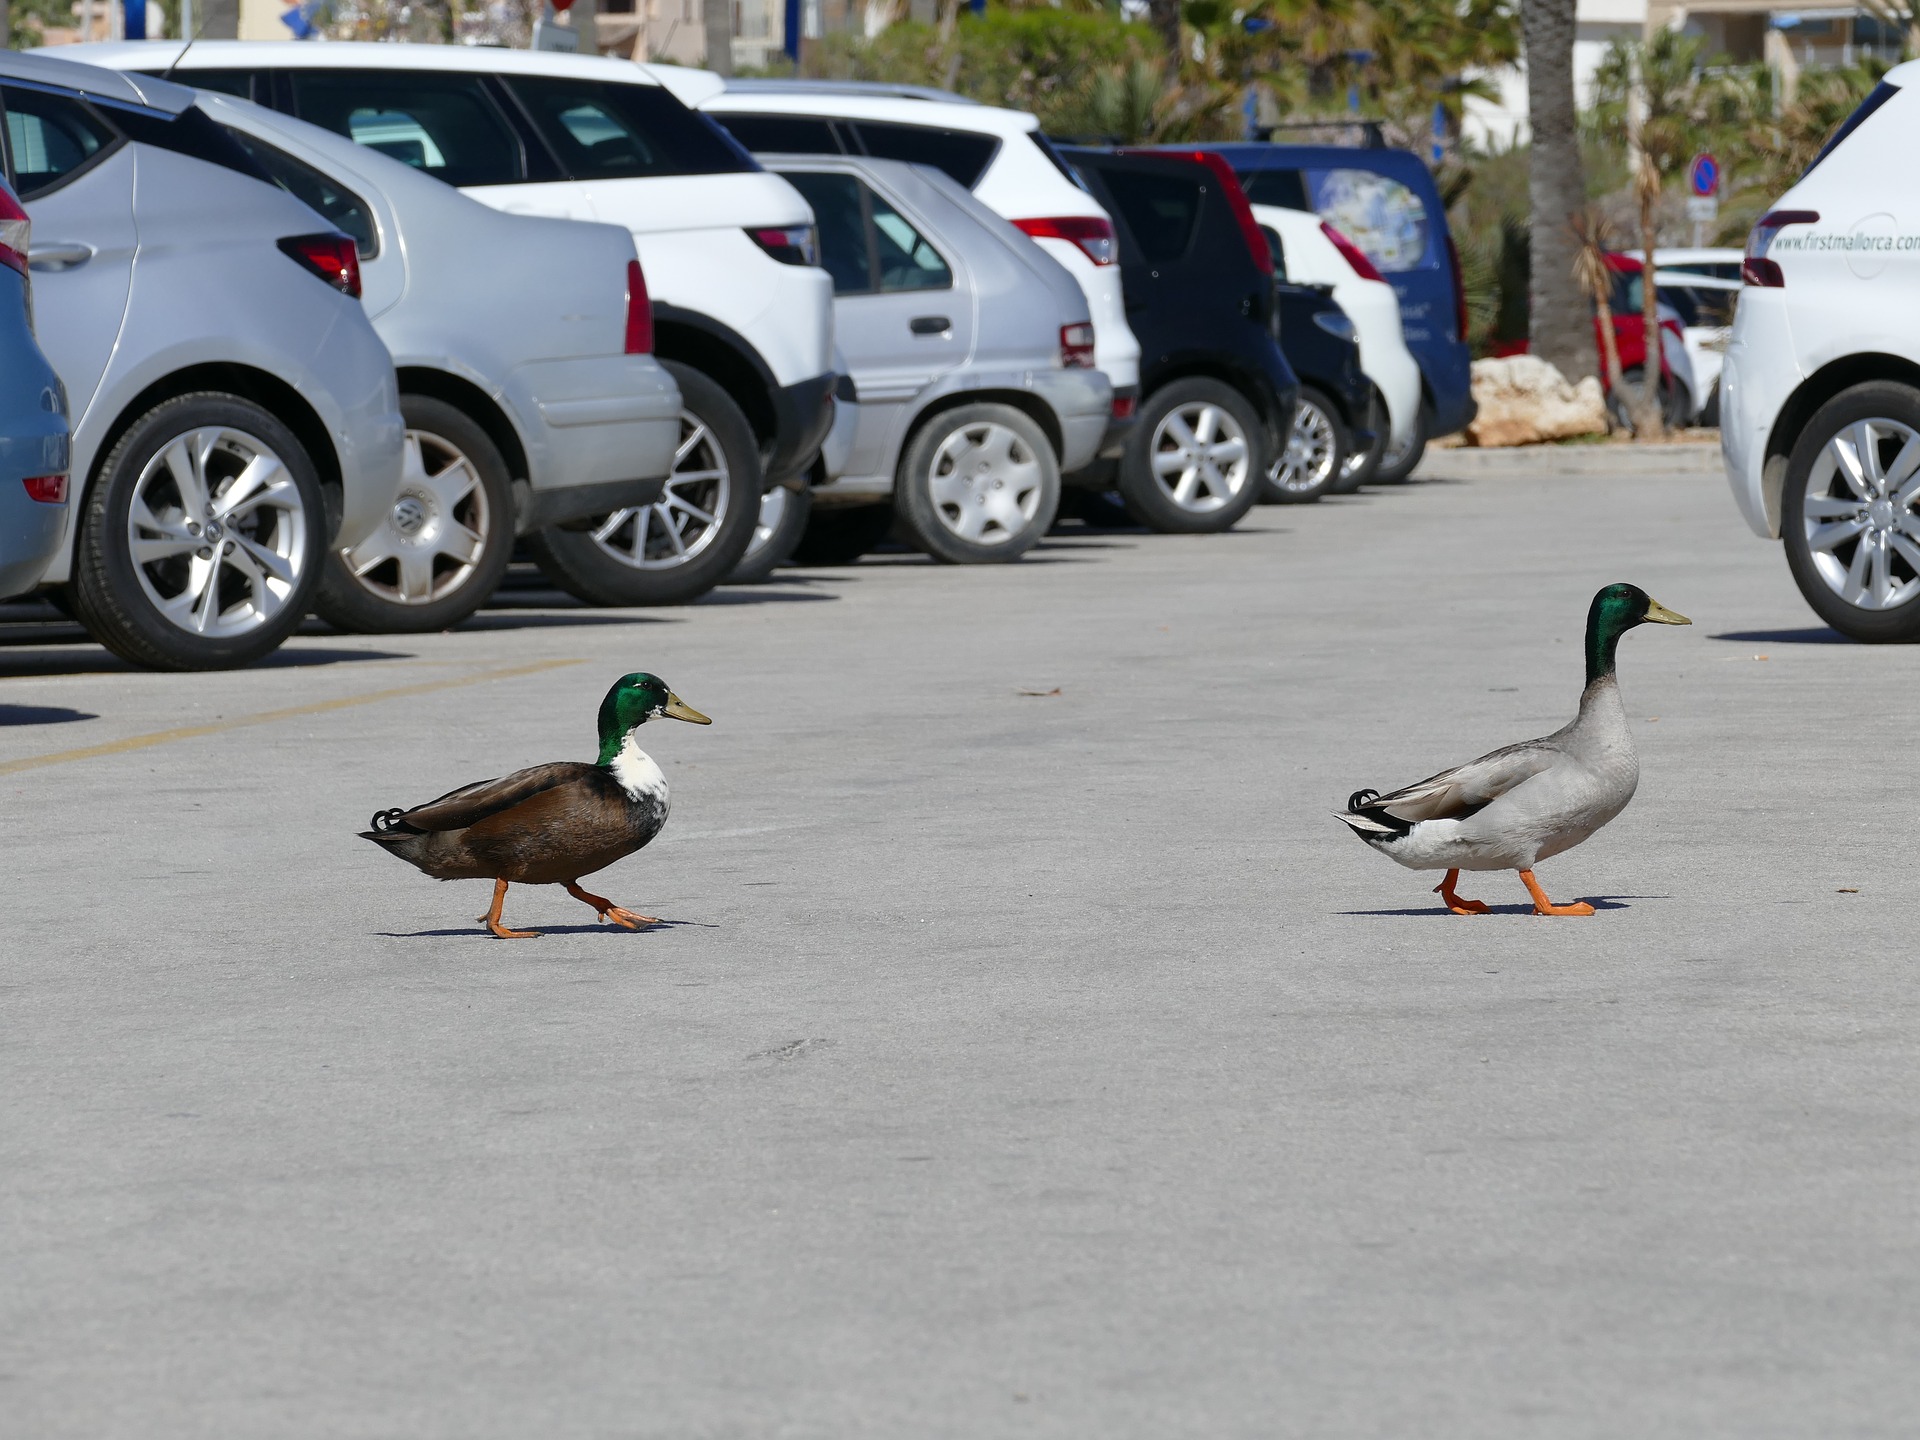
x=970 y=354
x=522 y=346
x=233 y=410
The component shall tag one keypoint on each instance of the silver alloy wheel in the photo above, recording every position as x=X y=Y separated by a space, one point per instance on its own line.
x=986 y=483
x=1200 y=456
x=1863 y=534
x=1307 y=461
x=433 y=538
x=217 y=532
x=1396 y=453
x=773 y=509
x=686 y=518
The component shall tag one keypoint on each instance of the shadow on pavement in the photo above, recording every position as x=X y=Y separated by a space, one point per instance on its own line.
x=518 y=619
x=23 y=663
x=474 y=932
x=1812 y=635
x=42 y=715
x=1439 y=911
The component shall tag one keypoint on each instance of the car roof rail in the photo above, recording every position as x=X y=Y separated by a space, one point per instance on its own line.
x=1371 y=136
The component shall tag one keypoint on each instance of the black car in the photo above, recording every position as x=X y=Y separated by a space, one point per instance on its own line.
x=1334 y=420
x=1217 y=395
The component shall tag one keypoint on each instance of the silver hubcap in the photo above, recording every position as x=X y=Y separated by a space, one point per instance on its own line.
x=686 y=518
x=434 y=535
x=1308 y=459
x=217 y=532
x=1860 y=523
x=773 y=509
x=986 y=483
x=1201 y=456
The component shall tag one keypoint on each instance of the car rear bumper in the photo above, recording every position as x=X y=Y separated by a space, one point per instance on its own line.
x=31 y=533
x=592 y=422
x=1757 y=378
x=1082 y=403
x=803 y=414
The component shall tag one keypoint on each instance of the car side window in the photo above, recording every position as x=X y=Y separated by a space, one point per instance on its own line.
x=51 y=137
x=1277 y=248
x=336 y=204
x=906 y=260
x=227 y=82
x=840 y=214
x=963 y=155
x=443 y=124
x=781 y=134
x=1286 y=189
x=1162 y=211
x=605 y=131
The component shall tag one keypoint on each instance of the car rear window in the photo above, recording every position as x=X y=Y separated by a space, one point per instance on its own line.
x=1384 y=218
x=608 y=131
x=781 y=134
x=1284 y=189
x=444 y=124
x=338 y=205
x=961 y=153
x=1161 y=211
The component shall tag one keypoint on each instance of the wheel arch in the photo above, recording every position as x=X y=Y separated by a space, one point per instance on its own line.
x=1027 y=403
x=727 y=357
x=1236 y=379
x=473 y=402
x=1798 y=411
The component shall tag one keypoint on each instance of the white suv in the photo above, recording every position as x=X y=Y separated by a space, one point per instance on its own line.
x=739 y=304
x=1820 y=392
x=998 y=154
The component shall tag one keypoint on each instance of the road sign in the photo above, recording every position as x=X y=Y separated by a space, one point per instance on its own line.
x=1703 y=209
x=1703 y=175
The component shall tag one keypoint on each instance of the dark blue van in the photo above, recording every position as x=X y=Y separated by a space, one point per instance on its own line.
x=1385 y=201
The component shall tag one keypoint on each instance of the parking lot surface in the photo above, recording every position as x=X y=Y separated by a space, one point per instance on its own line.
x=1030 y=1052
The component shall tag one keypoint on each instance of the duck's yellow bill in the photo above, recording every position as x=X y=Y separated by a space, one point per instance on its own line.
x=678 y=709
x=1658 y=614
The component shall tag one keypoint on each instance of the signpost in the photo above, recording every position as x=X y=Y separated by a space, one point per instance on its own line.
x=1703 y=204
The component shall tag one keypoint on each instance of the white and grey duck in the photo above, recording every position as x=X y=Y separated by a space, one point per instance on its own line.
x=1515 y=807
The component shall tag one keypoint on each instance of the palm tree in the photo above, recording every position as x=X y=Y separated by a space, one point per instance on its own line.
x=1559 y=322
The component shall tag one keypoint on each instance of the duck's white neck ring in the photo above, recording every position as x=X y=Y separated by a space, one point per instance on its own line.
x=637 y=774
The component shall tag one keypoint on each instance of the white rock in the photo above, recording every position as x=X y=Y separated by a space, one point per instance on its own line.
x=1523 y=401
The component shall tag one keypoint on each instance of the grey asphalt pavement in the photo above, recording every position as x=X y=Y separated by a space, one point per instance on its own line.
x=1014 y=1064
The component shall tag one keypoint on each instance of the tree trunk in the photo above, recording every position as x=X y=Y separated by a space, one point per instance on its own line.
x=718 y=15
x=1164 y=16
x=1559 y=322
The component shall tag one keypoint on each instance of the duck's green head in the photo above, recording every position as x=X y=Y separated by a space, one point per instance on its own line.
x=634 y=700
x=1616 y=610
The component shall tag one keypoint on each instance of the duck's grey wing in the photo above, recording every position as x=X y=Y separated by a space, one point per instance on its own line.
x=473 y=803
x=1457 y=793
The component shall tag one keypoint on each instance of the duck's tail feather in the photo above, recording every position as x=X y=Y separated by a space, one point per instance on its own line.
x=1366 y=819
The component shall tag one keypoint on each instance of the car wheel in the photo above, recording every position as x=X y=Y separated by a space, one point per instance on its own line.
x=444 y=545
x=1398 y=462
x=1848 y=512
x=783 y=519
x=1360 y=465
x=1193 y=464
x=200 y=543
x=687 y=541
x=842 y=534
x=977 y=484
x=1710 y=412
x=1315 y=452
x=1675 y=405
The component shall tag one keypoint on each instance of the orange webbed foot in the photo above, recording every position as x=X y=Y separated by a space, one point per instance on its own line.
x=1543 y=906
x=624 y=918
x=1454 y=903
x=492 y=918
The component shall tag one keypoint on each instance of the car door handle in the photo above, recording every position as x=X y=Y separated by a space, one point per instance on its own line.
x=59 y=257
x=930 y=325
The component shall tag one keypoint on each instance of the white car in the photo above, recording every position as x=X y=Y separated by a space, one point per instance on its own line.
x=1820 y=392
x=1314 y=253
x=539 y=408
x=728 y=249
x=998 y=154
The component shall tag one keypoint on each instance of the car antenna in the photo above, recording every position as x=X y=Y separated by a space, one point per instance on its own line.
x=167 y=74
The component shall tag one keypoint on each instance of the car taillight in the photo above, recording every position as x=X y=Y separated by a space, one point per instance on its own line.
x=789 y=244
x=1236 y=200
x=1352 y=254
x=1459 y=292
x=1092 y=234
x=15 y=231
x=639 y=311
x=1124 y=406
x=331 y=257
x=1755 y=267
x=47 y=489
x=1076 y=346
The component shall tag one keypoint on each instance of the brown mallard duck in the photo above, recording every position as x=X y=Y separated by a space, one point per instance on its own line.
x=549 y=824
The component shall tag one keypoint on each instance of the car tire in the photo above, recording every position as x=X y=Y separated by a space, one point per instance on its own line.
x=842 y=534
x=978 y=485
x=1153 y=478
x=441 y=550
x=783 y=520
x=642 y=555
x=1314 y=454
x=224 y=567
x=1361 y=464
x=1676 y=406
x=1854 y=550
x=1397 y=463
